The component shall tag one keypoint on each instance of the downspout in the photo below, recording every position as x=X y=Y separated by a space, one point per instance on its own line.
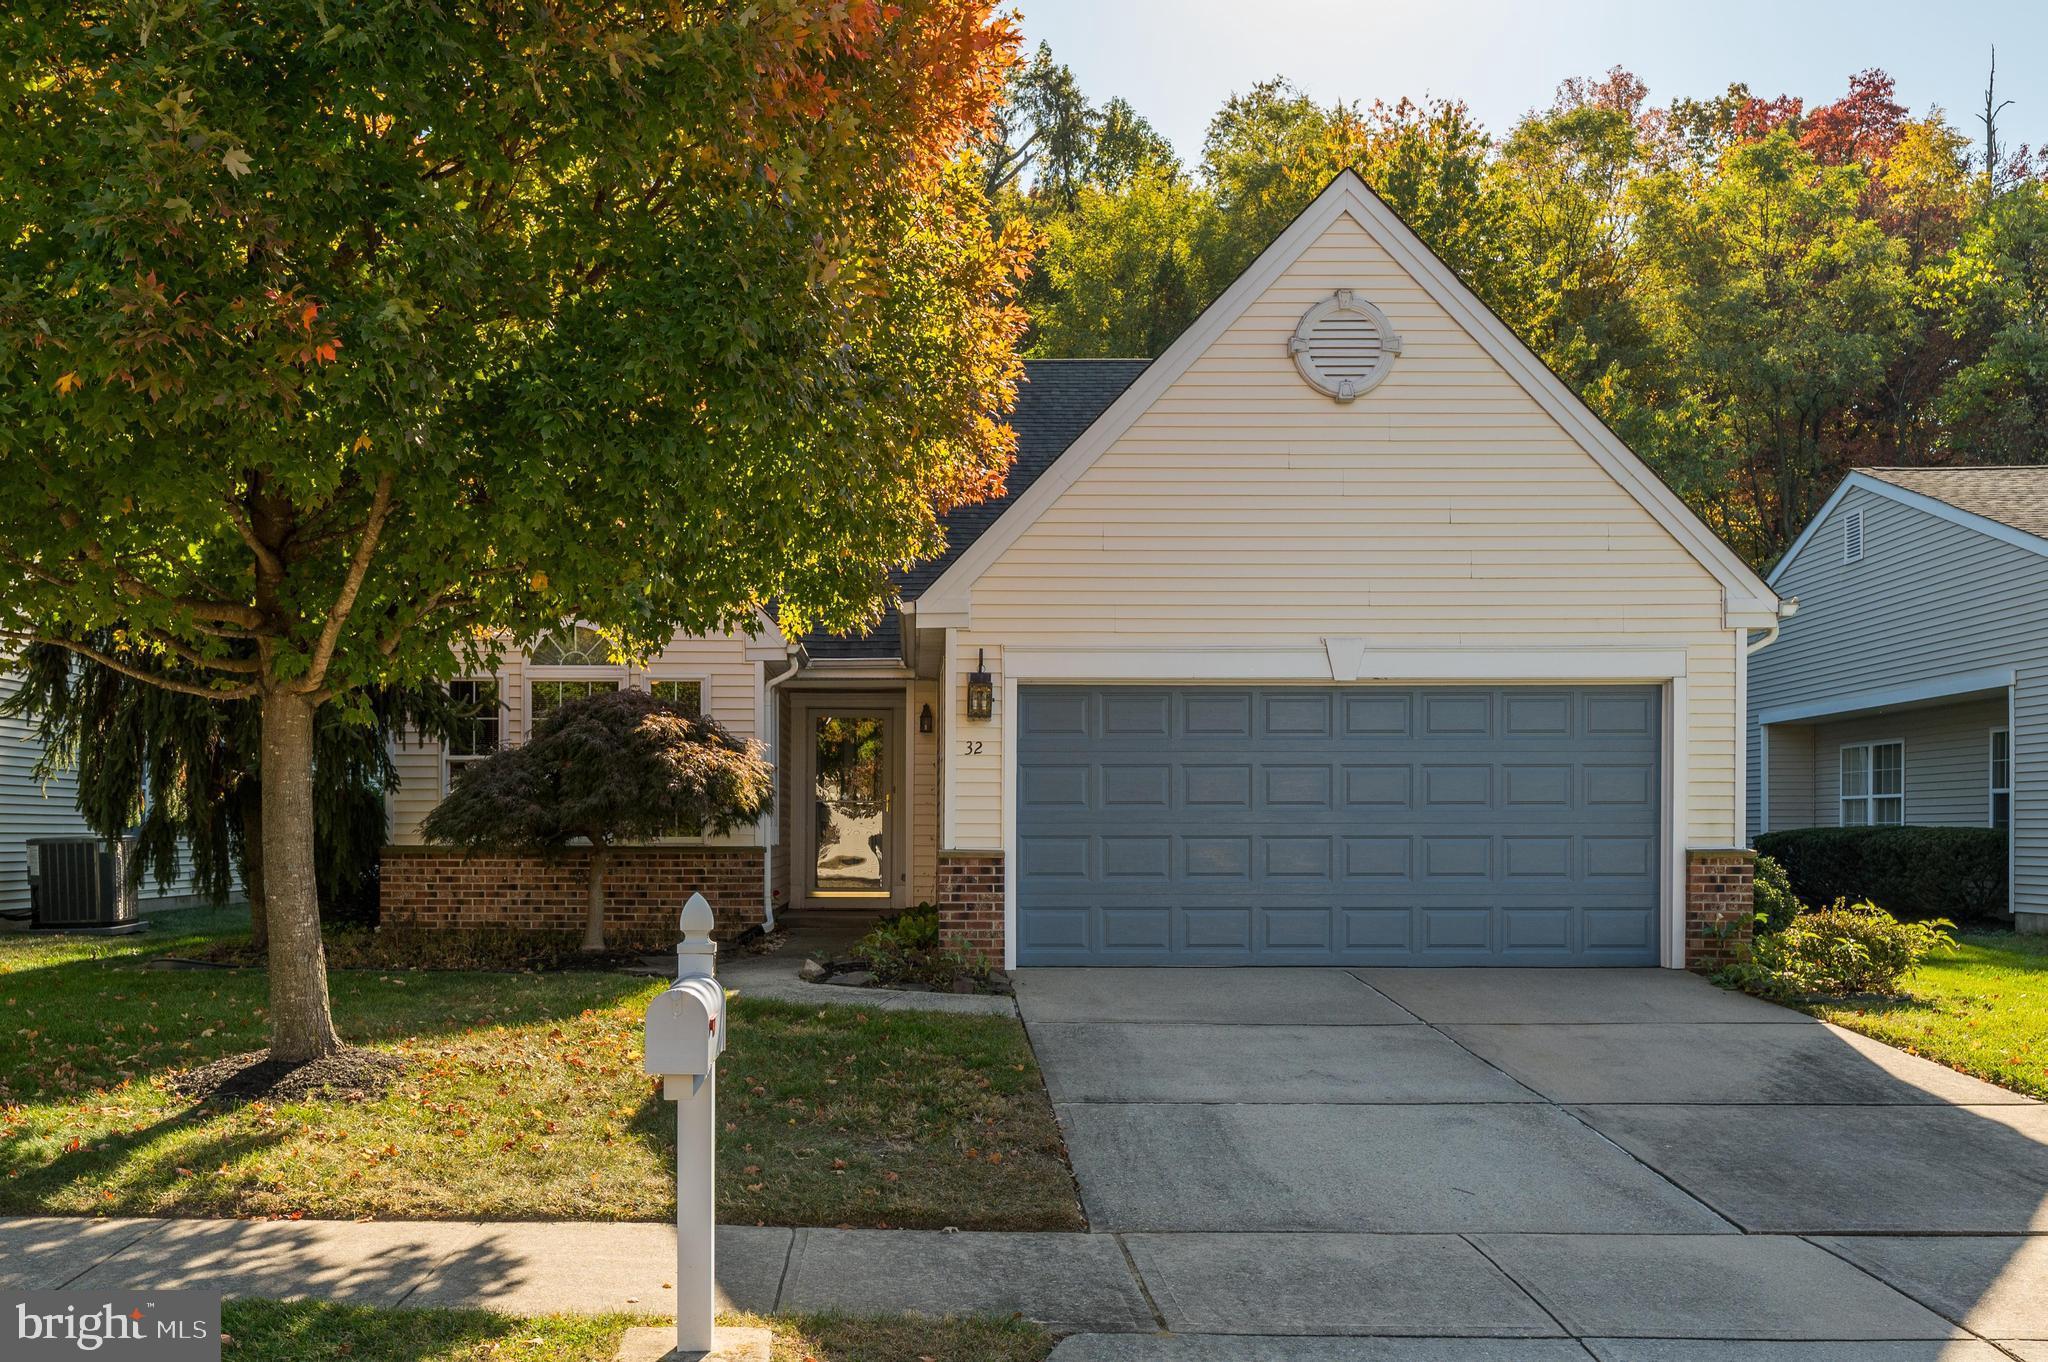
x=774 y=742
x=1787 y=608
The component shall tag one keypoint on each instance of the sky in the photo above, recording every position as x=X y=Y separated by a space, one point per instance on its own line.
x=1176 y=61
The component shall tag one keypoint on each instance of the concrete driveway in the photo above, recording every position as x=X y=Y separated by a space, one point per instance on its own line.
x=1631 y=1163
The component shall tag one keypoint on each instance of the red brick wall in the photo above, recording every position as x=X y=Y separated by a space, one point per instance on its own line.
x=1720 y=907
x=971 y=903
x=645 y=889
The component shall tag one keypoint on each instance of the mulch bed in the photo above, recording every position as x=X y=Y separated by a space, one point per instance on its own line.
x=348 y=1075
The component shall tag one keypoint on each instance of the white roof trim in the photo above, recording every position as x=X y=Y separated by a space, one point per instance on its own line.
x=1919 y=501
x=1745 y=594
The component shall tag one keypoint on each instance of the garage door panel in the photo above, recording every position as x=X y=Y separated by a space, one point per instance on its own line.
x=1321 y=825
x=1377 y=716
x=1218 y=787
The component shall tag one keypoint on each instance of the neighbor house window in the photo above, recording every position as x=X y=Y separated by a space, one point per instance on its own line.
x=1873 y=783
x=569 y=664
x=685 y=695
x=2001 y=778
x=479 y=725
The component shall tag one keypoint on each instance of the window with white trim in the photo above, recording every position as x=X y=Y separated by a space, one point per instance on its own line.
x=687 y=693
x=1873 y=784
x=568 y=664
x=2001 y=778
x=548 y=694
x=479 y=729
x=1852 y=537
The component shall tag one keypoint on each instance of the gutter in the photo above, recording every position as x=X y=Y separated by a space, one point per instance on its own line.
x=1787 y=608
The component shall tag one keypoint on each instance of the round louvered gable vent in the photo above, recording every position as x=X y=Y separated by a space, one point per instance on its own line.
x=1344 y=346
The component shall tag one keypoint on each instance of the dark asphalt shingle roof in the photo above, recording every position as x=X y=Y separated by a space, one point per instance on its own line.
x=1056 y=401
x=2011 y=495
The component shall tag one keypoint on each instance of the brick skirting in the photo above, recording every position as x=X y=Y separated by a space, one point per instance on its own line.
x=645 y=889
x=971 y=903
x=1720 y=907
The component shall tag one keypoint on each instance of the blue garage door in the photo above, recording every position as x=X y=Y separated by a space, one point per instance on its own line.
x=1205 y=825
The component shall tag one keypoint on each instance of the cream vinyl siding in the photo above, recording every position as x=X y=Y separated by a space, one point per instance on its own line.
x=732 y=686
x=1445 y=508
x=972 y=769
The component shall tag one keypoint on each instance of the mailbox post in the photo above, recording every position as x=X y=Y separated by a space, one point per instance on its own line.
x=685 y=1036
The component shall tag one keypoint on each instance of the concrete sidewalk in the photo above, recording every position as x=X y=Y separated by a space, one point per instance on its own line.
x=1138 y=1297
x=1069 y=1281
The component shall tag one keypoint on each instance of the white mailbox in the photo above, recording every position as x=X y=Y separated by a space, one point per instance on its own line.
x=685 y=1037
x=686 y=1032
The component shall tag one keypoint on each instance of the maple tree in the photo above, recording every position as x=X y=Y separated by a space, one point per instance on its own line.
x=341 y=348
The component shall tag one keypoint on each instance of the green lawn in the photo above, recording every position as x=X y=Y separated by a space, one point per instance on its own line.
x=1982 y=1009
x=524 y=1100
x=309 y=1331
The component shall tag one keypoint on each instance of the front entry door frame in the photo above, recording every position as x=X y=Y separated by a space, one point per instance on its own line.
x=801 y=743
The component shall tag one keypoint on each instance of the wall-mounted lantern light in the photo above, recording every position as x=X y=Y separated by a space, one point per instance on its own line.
x=924 y=719
x=981 y=691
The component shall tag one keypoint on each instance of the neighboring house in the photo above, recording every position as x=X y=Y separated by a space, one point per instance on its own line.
x=31 y=809
x=1342 y=632
x=1912 y=684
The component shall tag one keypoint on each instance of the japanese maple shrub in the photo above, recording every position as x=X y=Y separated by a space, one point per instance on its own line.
x=621 y=766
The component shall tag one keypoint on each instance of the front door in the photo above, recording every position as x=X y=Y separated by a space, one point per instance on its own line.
x=851 y=796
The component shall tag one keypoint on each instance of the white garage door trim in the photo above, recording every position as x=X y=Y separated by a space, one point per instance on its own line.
x=1319 y=666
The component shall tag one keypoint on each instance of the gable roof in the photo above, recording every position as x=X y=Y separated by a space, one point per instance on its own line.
x=2008 y=502
x=1058 y=399
x=1748 y=601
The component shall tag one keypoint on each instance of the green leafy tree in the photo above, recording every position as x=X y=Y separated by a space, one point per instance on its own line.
x=1128 y=148
x=1775 y=306
x=1044 y=124
x=1125 y=272
x=1567 y=174
x=604 y=769
x=1991 y=293
x=339 y=347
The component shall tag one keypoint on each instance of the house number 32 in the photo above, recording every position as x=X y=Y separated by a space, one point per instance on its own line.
x=972 y=748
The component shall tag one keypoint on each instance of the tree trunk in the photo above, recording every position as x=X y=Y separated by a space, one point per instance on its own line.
x=593 y=917
x=301 y=1025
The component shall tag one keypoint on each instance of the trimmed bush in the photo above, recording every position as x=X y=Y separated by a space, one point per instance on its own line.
x=1776 y=904
x=904 y=948
x=1846 y=949
x=1912 y=871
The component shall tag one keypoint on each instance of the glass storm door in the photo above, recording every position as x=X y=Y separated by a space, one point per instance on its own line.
x=850 y=804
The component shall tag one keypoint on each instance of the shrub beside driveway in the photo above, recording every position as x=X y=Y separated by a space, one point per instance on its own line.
x=523 y=1100
x=1981 y=1009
